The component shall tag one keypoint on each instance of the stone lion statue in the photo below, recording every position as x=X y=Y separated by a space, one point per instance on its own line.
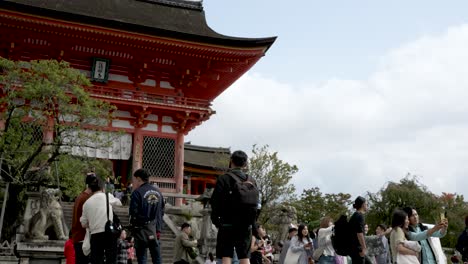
x=284 y=217
x=49 y=215
x=205 y=197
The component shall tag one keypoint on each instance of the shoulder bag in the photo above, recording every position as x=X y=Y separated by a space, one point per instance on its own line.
x=111 y=228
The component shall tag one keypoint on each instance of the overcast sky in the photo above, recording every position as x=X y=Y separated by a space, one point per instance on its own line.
x=355 y=93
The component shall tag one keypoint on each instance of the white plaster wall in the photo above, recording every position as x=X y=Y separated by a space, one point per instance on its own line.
x=119 y=78
x=151 y=127
x=121 y=124
x=119 y=113
x=168 y=129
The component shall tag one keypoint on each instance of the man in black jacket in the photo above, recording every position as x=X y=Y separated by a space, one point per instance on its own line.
x=231 y=234
x=462 y=243
x=146 y=211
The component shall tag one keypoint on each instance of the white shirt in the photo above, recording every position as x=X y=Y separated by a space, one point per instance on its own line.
x=95 y=213
x=324 y=241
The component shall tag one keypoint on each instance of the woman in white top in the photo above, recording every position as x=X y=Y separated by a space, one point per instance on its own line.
x=403 y=251
x=302 y=245
x=324 y=241
x=94 y=217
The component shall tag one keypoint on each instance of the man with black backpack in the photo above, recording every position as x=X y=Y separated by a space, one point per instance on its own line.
x=234 y=210
x=358 y=249
x=462 y=243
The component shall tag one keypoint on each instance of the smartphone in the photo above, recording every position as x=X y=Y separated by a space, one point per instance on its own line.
x=443 y=216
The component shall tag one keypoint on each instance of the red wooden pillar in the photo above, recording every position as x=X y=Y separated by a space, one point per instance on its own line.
x=137 y=162
x=179 y=166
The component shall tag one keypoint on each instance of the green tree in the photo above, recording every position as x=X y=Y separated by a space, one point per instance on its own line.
x=312 y=205
x=409 y=192
x=72 y=170
x=273 y=177
x=40 y=99
x=455 y=209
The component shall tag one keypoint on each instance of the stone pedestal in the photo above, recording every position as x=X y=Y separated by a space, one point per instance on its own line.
x=41 y=251
x=207 y=241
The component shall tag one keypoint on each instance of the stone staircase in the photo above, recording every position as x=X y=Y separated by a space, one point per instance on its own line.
x=167 y=236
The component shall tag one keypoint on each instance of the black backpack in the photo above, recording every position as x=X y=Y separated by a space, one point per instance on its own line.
x=245 y=199
x=341 y=236
x=462 y=245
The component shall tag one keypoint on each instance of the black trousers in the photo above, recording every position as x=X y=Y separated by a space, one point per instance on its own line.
x=80 y=257
x=103 y=245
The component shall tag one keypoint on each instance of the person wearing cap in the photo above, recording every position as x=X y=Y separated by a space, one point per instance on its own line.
x=356 y=225
x=291 y=233
x=146 y=215
x=77 y=231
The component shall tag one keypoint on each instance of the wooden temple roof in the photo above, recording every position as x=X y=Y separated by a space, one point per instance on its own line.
x=183 y=20
x=206 y=157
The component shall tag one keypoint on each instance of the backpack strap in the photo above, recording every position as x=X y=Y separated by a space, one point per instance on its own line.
x=239 y=180
x=107 y=205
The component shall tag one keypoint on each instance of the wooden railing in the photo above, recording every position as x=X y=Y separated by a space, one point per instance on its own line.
x=118 y=93
x=171 y=197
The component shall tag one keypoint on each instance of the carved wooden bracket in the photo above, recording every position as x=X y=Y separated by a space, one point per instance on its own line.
x=140 y=117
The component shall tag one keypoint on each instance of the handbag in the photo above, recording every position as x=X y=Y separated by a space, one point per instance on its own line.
x=192 y=252
x=145 y=234
x=111 y=228
x=292 y=257
x=86 y=247
x=406 y=259
x=318 y=253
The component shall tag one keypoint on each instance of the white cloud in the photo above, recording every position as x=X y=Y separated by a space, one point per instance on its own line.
x=353 y=136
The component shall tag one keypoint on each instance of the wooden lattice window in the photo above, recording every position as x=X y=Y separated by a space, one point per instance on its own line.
x=159 y=156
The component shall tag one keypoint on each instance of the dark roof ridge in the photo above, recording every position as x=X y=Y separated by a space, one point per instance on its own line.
x=197 y=5
x=189 y=146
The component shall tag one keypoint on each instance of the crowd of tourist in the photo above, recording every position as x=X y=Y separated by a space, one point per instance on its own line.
x=407 y=241
x=240 y=239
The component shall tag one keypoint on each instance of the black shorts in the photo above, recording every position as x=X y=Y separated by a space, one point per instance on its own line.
x=230 y=238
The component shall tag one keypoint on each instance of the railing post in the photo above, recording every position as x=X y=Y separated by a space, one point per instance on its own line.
x=179 y=166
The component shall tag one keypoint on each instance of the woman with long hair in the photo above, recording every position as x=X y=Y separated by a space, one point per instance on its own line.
x=257 y=245
x=302 y=245
x=403 y=251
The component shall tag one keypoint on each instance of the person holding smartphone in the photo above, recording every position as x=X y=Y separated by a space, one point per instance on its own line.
x=421 y=233
x=302 y=245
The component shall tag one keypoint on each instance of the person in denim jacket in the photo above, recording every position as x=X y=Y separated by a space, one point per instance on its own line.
x=421 y=233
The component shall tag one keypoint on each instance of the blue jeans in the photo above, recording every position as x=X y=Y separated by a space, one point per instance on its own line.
x=326 y=260
x=155 y=251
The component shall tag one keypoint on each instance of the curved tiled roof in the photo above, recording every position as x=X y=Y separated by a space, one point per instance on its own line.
x=181 y=19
